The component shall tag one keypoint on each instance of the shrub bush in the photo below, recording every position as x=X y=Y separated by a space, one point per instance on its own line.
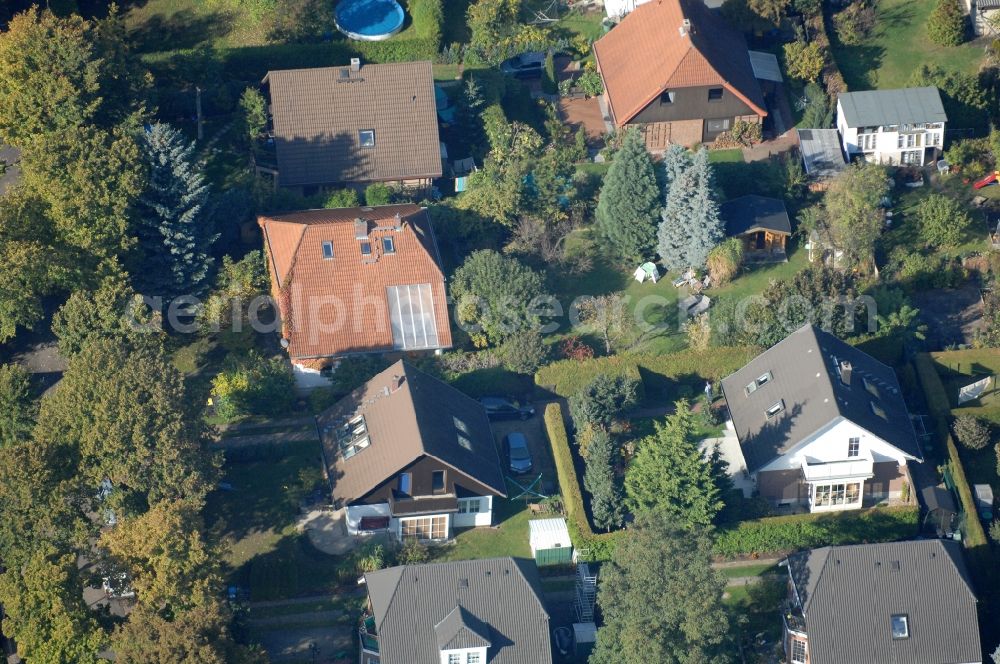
x=946 y=24
x=378 y=193
x=972 y=432
x=783 y=534
x=588 y=544
x=428 y=17
x=255 y=386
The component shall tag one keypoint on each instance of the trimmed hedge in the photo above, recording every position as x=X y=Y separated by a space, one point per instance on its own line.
x=663 y=376
x=591 y=545
x=493 y=382
x=784 y=534
x=940 y=408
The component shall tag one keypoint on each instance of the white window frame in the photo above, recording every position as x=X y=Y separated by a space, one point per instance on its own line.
x=366 y=138
x=775 y=408
x=834 y=490
x=853 y=446
x=795 y=656
x=904 y=618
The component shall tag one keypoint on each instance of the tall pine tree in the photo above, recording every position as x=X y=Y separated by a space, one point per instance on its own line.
x=172 y=220
x=629 y=207
x=600 y=480
x=690 y=225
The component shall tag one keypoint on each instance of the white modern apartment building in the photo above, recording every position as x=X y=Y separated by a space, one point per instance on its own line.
x=892 y=127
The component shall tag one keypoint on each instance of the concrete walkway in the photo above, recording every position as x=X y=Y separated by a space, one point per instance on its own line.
x=327 y=532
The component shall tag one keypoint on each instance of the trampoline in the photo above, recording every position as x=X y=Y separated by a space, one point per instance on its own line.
x=369 y=20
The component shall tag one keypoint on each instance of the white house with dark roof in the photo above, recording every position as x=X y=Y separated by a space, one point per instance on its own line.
x=464 y=612
x=821 y=424
x=904 y=126
x=877 y=603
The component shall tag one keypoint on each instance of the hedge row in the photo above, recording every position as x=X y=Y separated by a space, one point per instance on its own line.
x=663 y=376
x=783 y=534
x=940 y=408
x=590 y=545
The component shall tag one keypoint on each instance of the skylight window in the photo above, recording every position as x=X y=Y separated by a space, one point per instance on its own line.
x=760 y=381
x=327 y=250
x=878 y=410
x=775 y=409
x=366 y=137
x=388 y=245
x=352 y=437
x=411 y=313
x=871 y=387
x=366 y=248
x=900 y=626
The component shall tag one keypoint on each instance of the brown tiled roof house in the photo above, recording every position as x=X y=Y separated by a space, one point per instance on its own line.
x=679 y=72
x=356 y=280
x=356 y=124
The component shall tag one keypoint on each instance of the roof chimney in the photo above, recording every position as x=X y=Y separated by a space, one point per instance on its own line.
x=685 y=27
x=355 y=64
x=845 y=372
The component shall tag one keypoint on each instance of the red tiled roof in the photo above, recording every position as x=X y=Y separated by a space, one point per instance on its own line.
x=646 y=54
x=338 y=306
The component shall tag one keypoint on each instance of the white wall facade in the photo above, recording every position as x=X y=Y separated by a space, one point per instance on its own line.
x=309 y=379
x=477 y=511
x=840 y=485
x=354 y=513
x=892 y=144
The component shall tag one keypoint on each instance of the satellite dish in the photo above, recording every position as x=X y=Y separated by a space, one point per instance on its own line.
x=284 y=343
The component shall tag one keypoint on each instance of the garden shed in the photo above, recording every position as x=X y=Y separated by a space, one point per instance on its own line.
x=550 y=543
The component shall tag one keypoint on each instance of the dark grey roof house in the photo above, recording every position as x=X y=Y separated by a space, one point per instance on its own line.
x=874 y=108
x=355 y=124
x=761 y=223
x=878 y=603
x=895 y=127
x=465 y=612
x=820 y=418
x=413 y=453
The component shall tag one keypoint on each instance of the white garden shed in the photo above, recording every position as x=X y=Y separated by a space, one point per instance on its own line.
x=550 y=543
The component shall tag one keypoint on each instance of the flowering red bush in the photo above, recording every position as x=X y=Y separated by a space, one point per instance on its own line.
x=573 y=349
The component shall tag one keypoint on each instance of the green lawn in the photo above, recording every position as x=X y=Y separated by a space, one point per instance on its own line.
x=587 y=24
x=734 y=155
x=905 y=231
x=746 y=570
x=509 y=538
x=165 y=25
x=900 y=46
x=959 y=368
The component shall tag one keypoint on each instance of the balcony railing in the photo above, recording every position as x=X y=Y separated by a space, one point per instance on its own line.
x=368 y=634
x=838 y=470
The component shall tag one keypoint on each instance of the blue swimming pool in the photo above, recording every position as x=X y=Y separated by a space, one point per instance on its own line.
x=369 y=20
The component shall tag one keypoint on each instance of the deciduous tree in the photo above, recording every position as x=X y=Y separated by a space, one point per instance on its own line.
x=670 y=475
x=113 y=311
x=946 y=24
x=609 y=316
x=804 y=61
x=854 y=213
x=661 y=599
x=943 y=221
x=17 y=407
x=497 y=295
x=629 y=207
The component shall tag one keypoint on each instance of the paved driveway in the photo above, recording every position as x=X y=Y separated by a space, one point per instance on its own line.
x=534 y=430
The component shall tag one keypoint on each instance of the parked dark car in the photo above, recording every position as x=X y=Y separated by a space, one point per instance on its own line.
x=498 y=408
x=515 y=446
x=526 y=65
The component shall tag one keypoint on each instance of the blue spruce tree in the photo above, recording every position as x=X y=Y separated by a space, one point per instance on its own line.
x=172 y=222
x=690 y=225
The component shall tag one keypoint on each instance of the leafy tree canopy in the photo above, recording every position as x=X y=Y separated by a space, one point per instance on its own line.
x=661 y=599
x=17 y=407
x=497 y=294
x=854 y=214
x=943 y=221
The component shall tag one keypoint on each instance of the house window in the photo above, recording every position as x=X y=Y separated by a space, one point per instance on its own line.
x=715 y=126
x=667 y=97
x=428 y=527
x=352 y=437
x=715 y=94
x=405 y=483
x=775 y=409
x=367 y=138
x=853 y=447
x=388 y=245
x=830 y=495
x=454 y=658
x=472 y=658
x=900 y=626
x=327 y=250
x=469 y=506
x=366 y=248
x=798 y=652
x=899 y=141
x=867 y=142
x=437 y=481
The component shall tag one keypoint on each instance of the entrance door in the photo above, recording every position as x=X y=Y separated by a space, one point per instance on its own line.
x=759 y=241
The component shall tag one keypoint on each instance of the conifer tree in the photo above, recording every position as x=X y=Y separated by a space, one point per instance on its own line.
x=629 y=207
x=600 y=480
x=690 y=225
x=172 y=220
